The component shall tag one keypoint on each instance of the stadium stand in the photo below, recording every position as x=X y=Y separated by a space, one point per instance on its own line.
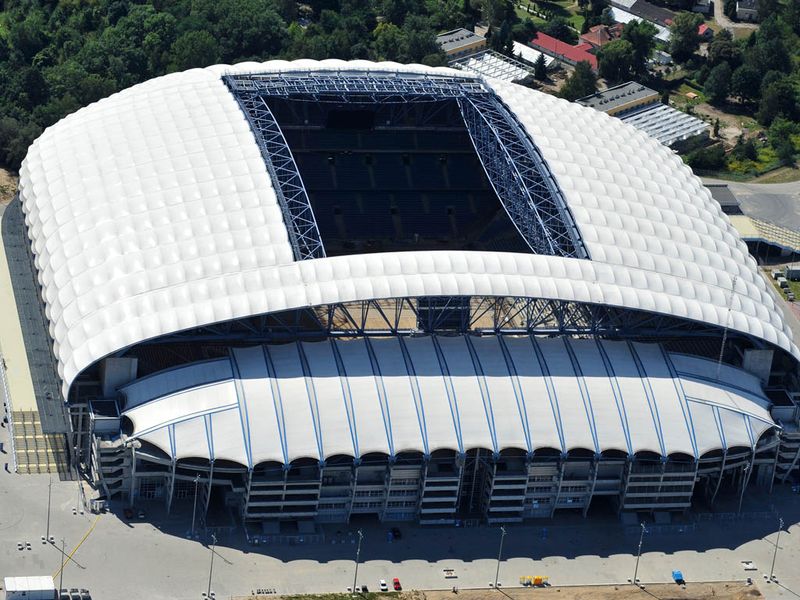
x=327 y=290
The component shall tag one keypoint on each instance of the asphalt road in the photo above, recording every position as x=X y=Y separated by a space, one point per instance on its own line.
x=777 y=203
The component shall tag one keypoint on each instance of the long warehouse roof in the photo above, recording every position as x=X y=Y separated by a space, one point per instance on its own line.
x=152 y=211
x=317 y=400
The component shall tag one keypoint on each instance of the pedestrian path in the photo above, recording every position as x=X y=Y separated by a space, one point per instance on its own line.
x=36 y=451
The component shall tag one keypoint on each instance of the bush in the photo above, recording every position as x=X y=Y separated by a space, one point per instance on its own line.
x=707 y=159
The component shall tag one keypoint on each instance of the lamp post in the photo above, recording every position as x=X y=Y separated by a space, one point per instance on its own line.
x=638 y=555
x=775 y=554
x=61 y=572
x=211 y=568
x=499 y=554
x=358 y=555
x=49 y=494
x=745 y=479
x=194 y=507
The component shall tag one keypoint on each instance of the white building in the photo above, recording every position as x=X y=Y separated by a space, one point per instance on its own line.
x=39 y=587
x=333 y=288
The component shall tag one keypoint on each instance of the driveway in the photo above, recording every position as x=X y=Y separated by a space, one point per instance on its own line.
x=723 y=21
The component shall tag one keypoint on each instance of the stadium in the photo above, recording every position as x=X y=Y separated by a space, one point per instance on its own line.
x=320 y=290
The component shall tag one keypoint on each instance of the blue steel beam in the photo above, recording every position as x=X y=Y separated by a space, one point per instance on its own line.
x=520 y=178
x=289 y=188
x=513 y=163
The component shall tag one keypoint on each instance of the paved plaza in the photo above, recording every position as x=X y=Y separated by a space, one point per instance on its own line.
x=152 y=558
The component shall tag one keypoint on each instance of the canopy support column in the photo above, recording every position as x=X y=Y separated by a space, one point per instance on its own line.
x=595 y=466
x=721 y=475
x=208 y=491
x=171 y=485
x=561 y=463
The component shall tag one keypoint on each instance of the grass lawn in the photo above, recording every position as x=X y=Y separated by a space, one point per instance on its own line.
x=564 y=8
x=740 y=33
x=686 y=88
x=794 y=286
x=523 y=14
x=780 y=175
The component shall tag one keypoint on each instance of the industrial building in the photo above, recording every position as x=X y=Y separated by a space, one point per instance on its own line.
x=330 y=289
x=641 y=107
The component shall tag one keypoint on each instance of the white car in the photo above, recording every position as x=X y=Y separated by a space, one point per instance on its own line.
x=384 y=586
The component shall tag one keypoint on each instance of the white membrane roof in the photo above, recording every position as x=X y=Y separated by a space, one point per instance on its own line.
x=152 y=211
x=320 y=399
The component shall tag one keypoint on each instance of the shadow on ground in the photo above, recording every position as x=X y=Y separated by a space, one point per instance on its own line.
x=567 y=535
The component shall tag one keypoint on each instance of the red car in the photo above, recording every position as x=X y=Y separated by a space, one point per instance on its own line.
x=396 y=584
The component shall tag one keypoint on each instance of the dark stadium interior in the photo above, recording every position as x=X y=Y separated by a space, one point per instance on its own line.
x=394 y=177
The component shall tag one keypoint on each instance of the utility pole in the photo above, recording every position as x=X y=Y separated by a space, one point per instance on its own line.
x=211 y=568
x=358 y=555
x=194 y=508
x=499 y=554
x=638 y=555
x=61 y=572
x=49 y=494
x=775 y=554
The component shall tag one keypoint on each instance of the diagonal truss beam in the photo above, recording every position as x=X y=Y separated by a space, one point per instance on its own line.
x=515 y=167
x=291 y=192
x=521 y=178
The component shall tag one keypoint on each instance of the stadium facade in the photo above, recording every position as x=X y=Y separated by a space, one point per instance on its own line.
x=326 y=289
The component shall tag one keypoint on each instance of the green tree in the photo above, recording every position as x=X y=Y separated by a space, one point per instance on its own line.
x=582 y=82
x=745 y=149
x=684 y=38
x=766 y=8
x=540 y=68
x=781 y=130
x=746 y=83
x=785 y=151
x=777 y=100
x=194 y=49
x=524 y=31
x=615 y=60
x=503 y=40
x=420 y=42
x=718 y=85
x=707 y=159
x=723 y=49
x=642 y=37
x=560 y=28
x=387 y=41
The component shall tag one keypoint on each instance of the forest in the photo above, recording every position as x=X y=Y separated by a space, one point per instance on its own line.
x=59 y=55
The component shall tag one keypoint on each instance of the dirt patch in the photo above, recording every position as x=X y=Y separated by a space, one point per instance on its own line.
x=731 y=125
x=8 y=186
x=692 y=591
x=733 y=590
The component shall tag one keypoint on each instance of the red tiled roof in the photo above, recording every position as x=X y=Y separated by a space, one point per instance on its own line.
x=600 y=35
x=558 y=48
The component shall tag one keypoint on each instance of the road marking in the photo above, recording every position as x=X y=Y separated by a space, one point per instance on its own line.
x=75 y=549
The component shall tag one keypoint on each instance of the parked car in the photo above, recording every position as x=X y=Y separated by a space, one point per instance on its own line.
x=396 y=584
x=384 y=586
x=141 y=514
